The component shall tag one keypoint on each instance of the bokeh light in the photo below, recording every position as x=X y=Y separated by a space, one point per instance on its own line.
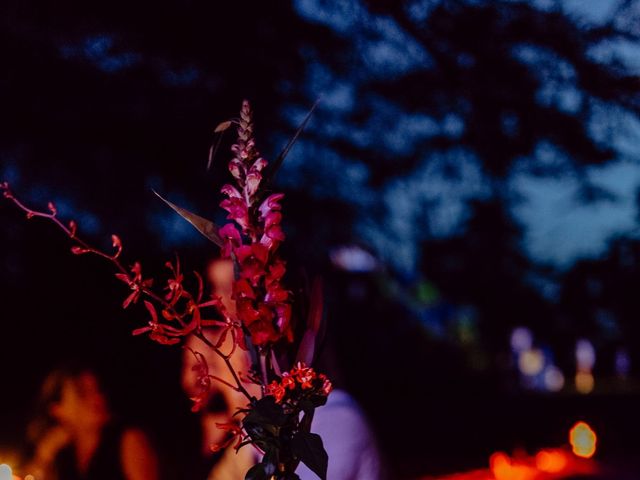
x=503 y=468
x=551 y=461
x=531 y=362
x=521 y=339
x=5 y=472
x=553 y=379
x=585 y=355
x=584 y=382
x=583 y=440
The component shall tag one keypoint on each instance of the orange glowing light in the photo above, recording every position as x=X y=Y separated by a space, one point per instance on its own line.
x=584 y=382
x=551 y=461
x=503 y=468
x=583 y=440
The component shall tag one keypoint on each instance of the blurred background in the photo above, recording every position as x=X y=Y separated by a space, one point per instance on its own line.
x=468 y=186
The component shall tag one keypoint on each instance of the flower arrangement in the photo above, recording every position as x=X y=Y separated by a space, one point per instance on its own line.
x=277 y=424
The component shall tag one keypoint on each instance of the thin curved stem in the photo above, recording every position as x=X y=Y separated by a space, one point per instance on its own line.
x=227 y=362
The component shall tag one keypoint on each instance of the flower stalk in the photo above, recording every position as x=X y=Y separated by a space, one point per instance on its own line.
x=277 y=424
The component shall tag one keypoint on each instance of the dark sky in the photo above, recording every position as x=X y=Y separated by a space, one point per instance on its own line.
x=502 y=135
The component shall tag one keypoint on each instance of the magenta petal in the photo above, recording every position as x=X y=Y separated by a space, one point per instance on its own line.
x=259 y=165
x=230 y=191
x=271 y=203
x=252 y=183
x=139 y=331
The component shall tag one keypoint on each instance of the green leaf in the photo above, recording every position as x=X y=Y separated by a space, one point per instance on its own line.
x=256 y=472
x=318 y=400
x=270 y=461
x=307 y=405
x=204 y=226
x=306 y=351
x=262 y=434
x=219 y=130
x=222 y=126
x=263 y=422
x=309 y=448
x=270 y=411
x=277 y=163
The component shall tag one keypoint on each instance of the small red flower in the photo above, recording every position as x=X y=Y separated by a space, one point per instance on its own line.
x=276 y=294
x=246 y=312
x=288 y=381
x=242 y=289
x=238 y=211
x=203 y=381
x=253 y=180
x=271 y=203
x=277 y=390
x=162 y=334
x=231 y=238
x=252 y=260
x=234 y=430
x=327 y=387
x=230 y=191
x=237 y=169
x=135 y=282
x=303 y=375
x=174 y=287
x=262 y=332
x=276 y=271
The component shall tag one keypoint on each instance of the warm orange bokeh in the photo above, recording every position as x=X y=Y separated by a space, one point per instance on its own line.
x=583 y=440
x=547 y=464
x=551 y=461
x=503 y=468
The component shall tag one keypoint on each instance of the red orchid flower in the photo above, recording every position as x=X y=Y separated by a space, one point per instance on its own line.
x=235 y=432
x=238 y=211
x=135 y=282
x=231 y=238
x=174 y=288
x=203 y=380
x=160 y=333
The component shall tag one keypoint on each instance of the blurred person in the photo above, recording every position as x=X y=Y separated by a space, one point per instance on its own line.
x=347 y=437
x=74 y=435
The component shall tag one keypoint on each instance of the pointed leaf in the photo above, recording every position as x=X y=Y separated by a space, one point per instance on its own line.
x=270 y=461
x=309 y=448
x=307 y=348
x=222 y=126
x=267 y=411
x=204 y=226
x=277 y=163
x=214 y=147
x=275 y=365
x=257 y=472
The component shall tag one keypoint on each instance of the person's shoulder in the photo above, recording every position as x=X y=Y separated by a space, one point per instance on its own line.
x=340 y=403
x=342 y=413
x=348 y=439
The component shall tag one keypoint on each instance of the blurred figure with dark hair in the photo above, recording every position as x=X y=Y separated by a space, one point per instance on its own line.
x=74 y=436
